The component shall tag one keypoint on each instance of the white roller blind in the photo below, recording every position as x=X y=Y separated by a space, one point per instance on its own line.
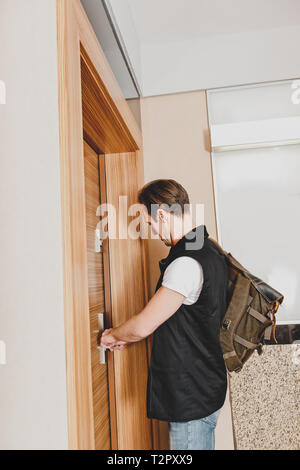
x=260 y=133
x=258 y=196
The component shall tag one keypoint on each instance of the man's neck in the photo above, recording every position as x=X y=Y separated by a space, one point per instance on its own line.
x=184 y=228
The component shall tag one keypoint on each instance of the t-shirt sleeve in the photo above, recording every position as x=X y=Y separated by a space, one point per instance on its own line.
x=183 y=275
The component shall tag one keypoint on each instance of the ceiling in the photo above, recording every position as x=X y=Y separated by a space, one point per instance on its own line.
x=173 y=20
x=174 y=46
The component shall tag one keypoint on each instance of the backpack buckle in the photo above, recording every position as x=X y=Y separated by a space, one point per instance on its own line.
x=226 y=324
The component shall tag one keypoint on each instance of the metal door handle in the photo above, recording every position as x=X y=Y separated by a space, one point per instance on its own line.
x=102 y=356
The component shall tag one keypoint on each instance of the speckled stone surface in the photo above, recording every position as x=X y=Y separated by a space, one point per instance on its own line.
x=265 y=400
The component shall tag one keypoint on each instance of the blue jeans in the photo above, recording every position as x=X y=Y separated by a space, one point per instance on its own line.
x=198 y=434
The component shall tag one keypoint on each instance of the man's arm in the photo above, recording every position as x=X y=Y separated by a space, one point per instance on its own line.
x=164 y=303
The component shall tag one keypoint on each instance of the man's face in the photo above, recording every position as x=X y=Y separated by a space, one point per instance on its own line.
x=161 y=226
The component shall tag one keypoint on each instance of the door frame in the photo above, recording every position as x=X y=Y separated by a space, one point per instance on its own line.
x=75 y=35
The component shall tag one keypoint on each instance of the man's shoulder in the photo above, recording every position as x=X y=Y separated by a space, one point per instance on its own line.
x=184 y=264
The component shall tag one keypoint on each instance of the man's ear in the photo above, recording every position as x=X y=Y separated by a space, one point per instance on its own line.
x=159 y=214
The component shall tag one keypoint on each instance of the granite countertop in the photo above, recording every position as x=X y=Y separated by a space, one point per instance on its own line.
x=265 y=400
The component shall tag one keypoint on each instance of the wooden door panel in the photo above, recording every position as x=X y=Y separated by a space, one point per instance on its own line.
x=128 y=298
x=80 y=115
x=96 y=300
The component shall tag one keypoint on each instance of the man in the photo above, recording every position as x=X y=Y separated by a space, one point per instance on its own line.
x=187 y=378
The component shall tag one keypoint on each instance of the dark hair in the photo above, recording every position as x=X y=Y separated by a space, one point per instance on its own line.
x=164 y=192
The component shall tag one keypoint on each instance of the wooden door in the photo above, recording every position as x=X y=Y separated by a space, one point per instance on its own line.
x=128 y=298
x=106 y=403
x=126 y=385
x=96 y=300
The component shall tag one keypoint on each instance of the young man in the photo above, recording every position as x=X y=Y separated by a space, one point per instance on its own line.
x=187 y=378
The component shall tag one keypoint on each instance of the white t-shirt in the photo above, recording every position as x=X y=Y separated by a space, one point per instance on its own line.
x=184 y=275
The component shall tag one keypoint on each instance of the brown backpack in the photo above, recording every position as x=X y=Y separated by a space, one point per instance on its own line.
x=250 y=316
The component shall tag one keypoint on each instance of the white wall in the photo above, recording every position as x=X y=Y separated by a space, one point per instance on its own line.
x=33 y=382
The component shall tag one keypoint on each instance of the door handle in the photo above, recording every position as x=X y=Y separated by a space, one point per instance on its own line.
x=98 y=241
x=102 y=355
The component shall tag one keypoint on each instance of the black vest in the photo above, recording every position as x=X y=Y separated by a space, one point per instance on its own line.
x=187 y=376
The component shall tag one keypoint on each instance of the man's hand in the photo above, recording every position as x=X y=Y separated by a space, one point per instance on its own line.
x=107 y=340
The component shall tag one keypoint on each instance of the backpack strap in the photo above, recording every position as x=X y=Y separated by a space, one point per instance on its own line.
x=270 y=294
x=264 y=320
x=218 y=246
x=244 y=342
x=239 y=302
x=228 y=255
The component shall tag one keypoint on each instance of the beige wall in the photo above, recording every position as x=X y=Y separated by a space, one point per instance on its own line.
x=135 y=106
x=176 y=145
